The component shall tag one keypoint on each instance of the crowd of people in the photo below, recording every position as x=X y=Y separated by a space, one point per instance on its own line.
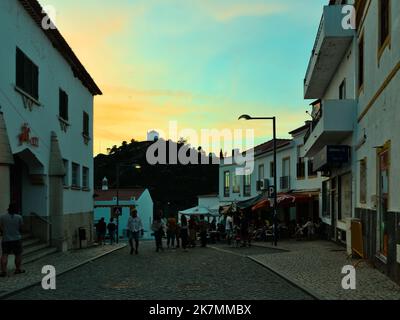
x=237 y=228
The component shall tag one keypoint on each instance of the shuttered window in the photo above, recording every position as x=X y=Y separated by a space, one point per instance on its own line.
x=63 y=105
x=86 y=124
x=363 y=181
x=27 y=75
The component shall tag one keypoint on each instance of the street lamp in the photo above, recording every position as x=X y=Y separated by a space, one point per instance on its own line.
x=118 y=166
x=275 y=222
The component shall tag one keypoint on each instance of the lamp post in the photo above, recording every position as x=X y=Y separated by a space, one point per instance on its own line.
x=118 y=166
x=275 y=216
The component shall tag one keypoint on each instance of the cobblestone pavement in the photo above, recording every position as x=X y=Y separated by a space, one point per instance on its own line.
x=61 y=261
x=316 y=266
x=201 y=273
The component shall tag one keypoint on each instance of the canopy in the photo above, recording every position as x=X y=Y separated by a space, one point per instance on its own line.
x=199 y=211
x=284 y=199
x=251 y=202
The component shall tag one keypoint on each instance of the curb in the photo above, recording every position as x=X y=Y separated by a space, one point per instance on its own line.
x=296 y=284
x=12 y=293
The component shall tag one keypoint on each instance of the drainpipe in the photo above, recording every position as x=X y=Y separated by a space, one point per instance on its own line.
x=56 y=196
x=6 y=161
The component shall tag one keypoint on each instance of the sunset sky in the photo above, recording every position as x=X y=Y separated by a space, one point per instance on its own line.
x=199 y=62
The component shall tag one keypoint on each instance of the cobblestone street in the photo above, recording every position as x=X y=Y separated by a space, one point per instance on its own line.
x=202 y=273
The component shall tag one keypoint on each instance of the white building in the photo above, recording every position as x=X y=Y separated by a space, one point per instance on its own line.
x=153 y=136
x=46 y=127
x=140 y=199
x=330 y=79
x=294 y=173
x=356 y=75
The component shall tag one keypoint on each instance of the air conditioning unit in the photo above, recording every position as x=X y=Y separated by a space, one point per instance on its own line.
x=260 y=185
x=266 y=184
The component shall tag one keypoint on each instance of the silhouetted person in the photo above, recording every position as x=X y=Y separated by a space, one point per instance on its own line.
x=10 y=225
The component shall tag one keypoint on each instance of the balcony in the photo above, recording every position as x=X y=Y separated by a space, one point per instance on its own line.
x=333 y=123
x=331 y=44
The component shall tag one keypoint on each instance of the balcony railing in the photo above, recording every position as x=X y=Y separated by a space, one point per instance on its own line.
x=317 y=116
x=285 y=183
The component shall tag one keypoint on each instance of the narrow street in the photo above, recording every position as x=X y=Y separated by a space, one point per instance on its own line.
x=217 y=273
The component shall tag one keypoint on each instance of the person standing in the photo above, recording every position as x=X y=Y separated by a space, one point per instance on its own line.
x=203 y=228
x=111 y=230
x=101 y=229
x=135 y=228
x=184 y=232
x=192 y=231
x=10 y=225
x=229 y=228
x=171 y=232
x=158 y=230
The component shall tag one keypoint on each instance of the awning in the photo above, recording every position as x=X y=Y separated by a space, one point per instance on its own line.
x=285 y=199
x=251 y=202
x=199 y=211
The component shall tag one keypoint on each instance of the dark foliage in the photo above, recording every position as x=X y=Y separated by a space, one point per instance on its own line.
x=172 y=187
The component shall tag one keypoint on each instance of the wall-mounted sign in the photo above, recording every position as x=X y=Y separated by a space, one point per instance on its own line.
x=25 y=136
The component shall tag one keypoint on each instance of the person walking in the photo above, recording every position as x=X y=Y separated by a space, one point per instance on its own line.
x=158 y=230
x=229 y=228
x=171 y=232
x=11 y=225
x=111 y=227
x=178 y=236
x=135 y=228
x=184 y=232
x=101 y=229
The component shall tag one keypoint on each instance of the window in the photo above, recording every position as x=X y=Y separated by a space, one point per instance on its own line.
x=301 y=165
x=236 y=184
x=63 y=111
x=384 y=22
x=27 y=75
x=247 y=185
x=85 y=124
x=271 y=169
x=363 y=181
x=345 y=191
x=85 y=178
x=361 y=63
x=76 y=175
x=261 y=174
x=342 y=90
x=226 y=184
x=66 y=177
x=311 y=172
x=325 y=199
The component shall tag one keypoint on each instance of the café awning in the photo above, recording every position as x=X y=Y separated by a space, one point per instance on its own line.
x=286 y=199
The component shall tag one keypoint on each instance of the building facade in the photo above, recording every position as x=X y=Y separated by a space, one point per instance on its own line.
x=354 y=74
x=140 y=199
x=295 y=176
x=46 y=127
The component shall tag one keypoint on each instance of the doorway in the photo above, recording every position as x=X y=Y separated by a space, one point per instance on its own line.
x=383 y=202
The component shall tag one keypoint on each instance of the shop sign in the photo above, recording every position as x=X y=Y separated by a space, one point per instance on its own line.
x=25 y=136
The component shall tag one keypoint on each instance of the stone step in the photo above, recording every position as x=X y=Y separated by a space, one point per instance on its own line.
x=34 y=248
x=29 y=242
x=37 y=255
